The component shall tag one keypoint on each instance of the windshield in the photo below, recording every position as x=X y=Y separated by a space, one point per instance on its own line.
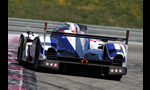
x=61 y=28
x=64 y=28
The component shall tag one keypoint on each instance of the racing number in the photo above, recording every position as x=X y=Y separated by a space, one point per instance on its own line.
x=19 y=42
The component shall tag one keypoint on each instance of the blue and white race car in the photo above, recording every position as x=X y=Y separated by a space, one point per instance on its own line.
x=69 y=48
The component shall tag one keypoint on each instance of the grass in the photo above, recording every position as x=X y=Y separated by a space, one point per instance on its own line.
x=118 y=13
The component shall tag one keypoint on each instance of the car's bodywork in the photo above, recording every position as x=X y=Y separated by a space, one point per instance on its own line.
x=69 y=47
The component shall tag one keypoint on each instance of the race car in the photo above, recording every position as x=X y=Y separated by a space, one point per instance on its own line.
x=69 y=48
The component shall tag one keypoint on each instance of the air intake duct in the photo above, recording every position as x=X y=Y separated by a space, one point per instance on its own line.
x=51 y=54
x=117 y=61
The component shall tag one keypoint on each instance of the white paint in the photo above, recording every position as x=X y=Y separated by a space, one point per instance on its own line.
x=12 y=57
x=117 y=46
x=94 y=43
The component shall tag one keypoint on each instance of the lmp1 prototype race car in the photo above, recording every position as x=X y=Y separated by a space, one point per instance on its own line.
x=69 y=48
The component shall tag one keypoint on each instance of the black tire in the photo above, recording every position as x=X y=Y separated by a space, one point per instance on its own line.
x=20 y=50
x=36 y=57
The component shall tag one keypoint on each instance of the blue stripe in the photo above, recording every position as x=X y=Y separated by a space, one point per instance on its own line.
x=53 y=43
x=124 y=58
x=111 y=51
x=64 y=44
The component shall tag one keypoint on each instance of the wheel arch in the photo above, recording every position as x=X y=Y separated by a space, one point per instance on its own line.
x=112 y=50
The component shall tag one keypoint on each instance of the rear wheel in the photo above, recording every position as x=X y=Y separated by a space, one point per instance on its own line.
x=36 y=57
x=20 y=50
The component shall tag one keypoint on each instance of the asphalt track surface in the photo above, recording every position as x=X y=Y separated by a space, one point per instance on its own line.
x=20 y=77
x=47 y=79
x=51 y=80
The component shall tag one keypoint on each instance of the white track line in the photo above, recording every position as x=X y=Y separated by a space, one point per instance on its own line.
x=12 y=57
x=12 y=52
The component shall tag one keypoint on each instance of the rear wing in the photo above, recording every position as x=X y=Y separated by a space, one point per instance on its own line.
x=102 y=38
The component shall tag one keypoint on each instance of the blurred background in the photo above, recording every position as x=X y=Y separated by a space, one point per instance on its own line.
x=116 y=13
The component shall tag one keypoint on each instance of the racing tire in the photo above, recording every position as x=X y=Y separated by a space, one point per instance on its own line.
x=20 y=50
x=36 y=57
